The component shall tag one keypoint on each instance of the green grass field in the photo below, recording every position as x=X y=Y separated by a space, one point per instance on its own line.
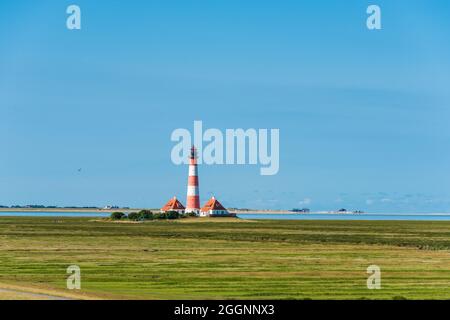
x=228 y=259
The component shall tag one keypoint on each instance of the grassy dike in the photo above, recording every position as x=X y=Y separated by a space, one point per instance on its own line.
x=227 y=259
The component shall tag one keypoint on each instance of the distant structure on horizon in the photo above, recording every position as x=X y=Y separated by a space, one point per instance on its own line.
x=193 y=195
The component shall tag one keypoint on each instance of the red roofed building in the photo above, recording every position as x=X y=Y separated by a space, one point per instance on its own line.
x=173 y=205
x=213 y=208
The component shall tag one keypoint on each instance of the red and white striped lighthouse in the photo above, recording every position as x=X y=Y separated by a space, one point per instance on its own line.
x=193 y=197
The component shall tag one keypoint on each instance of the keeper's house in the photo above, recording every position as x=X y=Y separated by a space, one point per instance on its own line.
x=213 y=208
x=173 y=205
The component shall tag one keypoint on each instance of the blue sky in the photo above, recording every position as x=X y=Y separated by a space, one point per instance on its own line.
x=363 y=115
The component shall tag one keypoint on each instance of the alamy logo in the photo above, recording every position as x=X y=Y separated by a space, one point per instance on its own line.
x=73 y=22
x=374 y=280
x=236 y=146
x=74 y=280
x=374 y=20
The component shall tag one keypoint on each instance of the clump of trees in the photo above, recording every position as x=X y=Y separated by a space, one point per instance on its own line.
x=170 y=215
x=133 y=216
x=141 y=215
x=145 y=215
x=117 y=215
x=189 y=215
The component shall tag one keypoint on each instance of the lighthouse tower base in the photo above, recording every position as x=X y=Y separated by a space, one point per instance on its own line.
x=196 y=211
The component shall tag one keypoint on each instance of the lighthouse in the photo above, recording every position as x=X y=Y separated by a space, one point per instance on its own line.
x=193 y=197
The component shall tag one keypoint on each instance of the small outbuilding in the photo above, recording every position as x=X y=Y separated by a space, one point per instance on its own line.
x=213 y=208
x=173 y=205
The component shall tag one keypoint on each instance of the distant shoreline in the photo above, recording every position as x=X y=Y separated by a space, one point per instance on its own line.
x=91 y=210
x=87 y=210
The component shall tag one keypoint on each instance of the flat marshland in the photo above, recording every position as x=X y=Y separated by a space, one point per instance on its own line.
x=225 y=258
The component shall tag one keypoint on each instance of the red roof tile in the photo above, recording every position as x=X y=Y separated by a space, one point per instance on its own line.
x=173 y=204
x=213 y=204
